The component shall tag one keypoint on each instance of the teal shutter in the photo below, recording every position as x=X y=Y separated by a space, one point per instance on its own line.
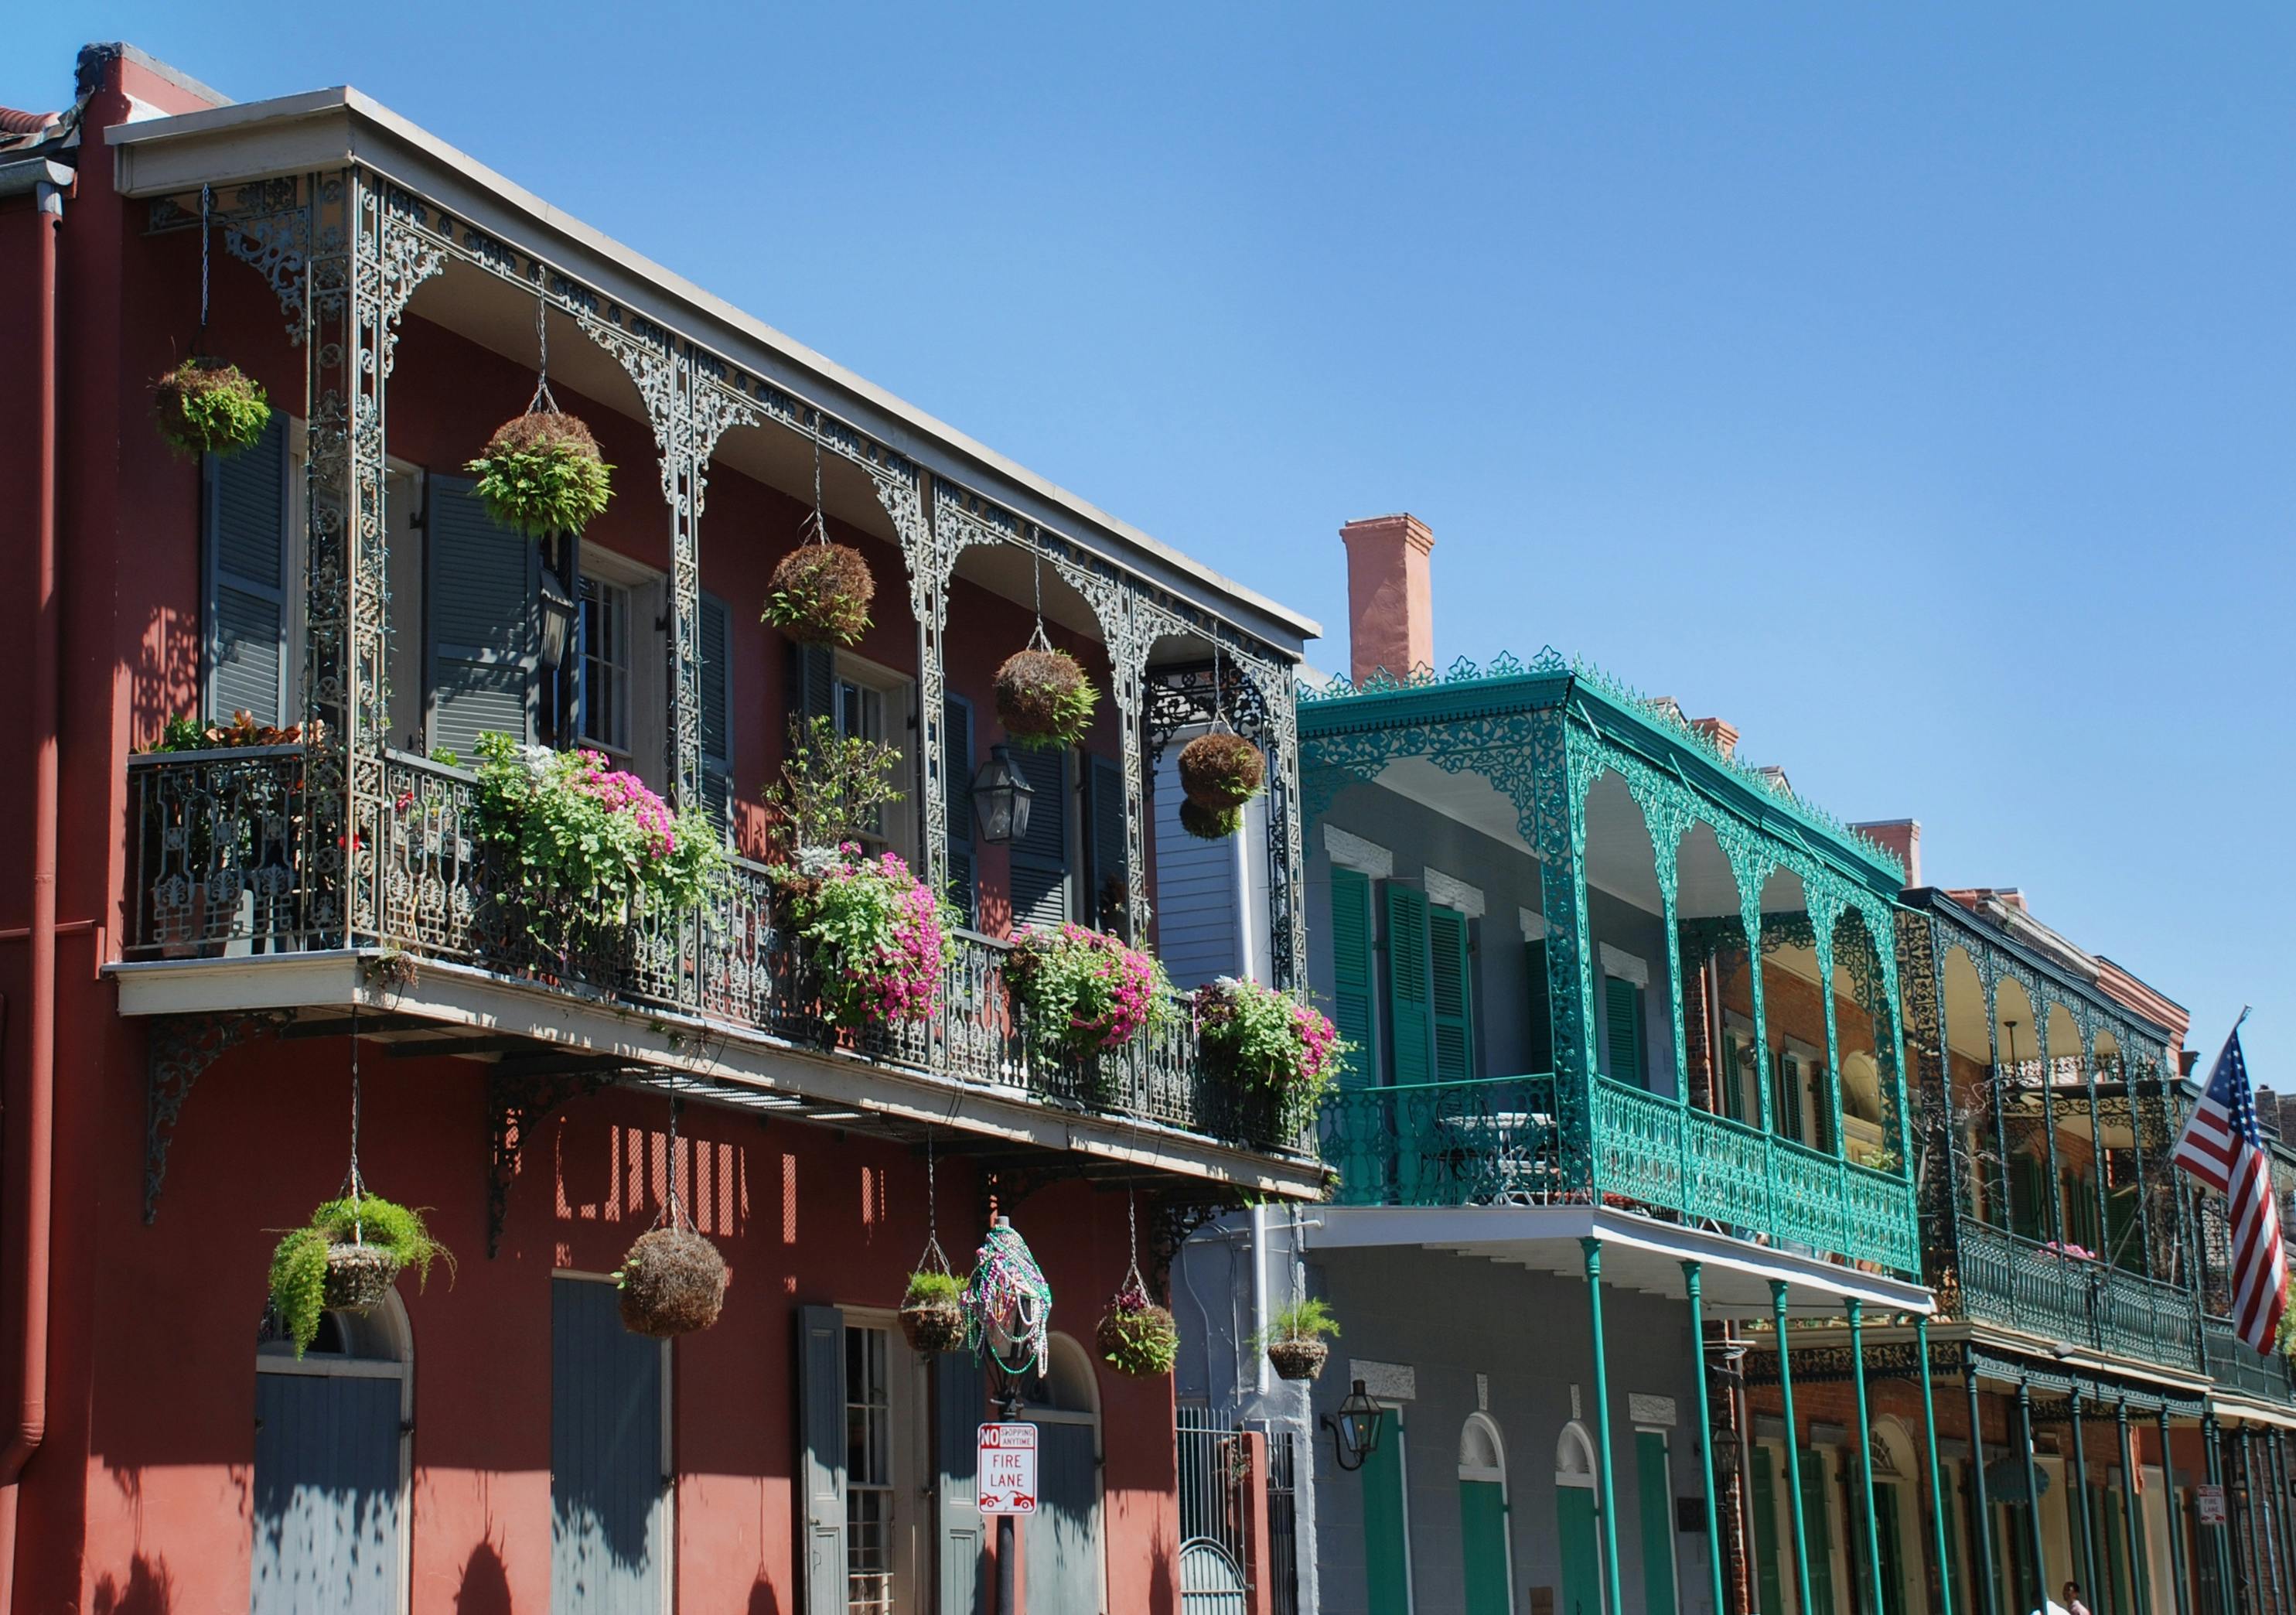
x=1410 y=1026
x=1730 y=1101
x=1622 y=1004
x=2119 y=1228
x=957 y=772
x=1769 y=1591
x=243 y=513
x=1451 y=994
x=960 y=1406
x=821 y=1457
x=1040 y=858
x=1108 y=881
x=1656 y=1499
x=2029 y=1198
x=1818 y=1524
x=482 y=582
x=1351 y=984
x=1538 y=994
x=718 y=708
x=1786 y=1072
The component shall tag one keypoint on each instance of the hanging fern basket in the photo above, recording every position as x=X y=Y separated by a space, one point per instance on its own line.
x=1210 y=823
x=672 y=1283
x=1298 y=1360
x=345 y=1258
x=206 y=407
x=932 y=1312
x=820 y=594
x=1045 y=698
x=359 y=1276
x=542 y=473
x=1221 y=769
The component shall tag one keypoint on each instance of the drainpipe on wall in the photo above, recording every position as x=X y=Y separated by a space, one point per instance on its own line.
x=36 y=1105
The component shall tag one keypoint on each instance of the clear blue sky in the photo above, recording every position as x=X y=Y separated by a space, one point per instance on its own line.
x=1915 y=387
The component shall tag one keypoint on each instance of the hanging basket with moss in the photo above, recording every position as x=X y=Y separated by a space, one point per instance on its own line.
x=1296 y=1339
x=1221 y=769
x=1136 y=1337
x=932 y=1311
x=820 y=594
x=345 y=1258
x=542 y=473
x=206 y=407
x=672 y=1283
x=1044 y=697
x=1210 y=823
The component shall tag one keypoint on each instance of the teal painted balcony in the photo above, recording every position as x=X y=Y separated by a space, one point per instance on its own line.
x=2244 y=1372
x=2069 y=1299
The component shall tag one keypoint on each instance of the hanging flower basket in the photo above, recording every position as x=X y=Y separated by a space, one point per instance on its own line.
x=206 y=407
x=932 y=1311
x=1043 y=698
x=820 y=594
x=1136 y=1337
x=347 y=1257
x=672 y=1283
x=1298 y=1360
x=1210 y=823
x=1295 y=1339
x=542 y=473
x=1085 y=992
x=1221 y=769
x=1269 y=1044
x=875 y=934
x=1008 y=1305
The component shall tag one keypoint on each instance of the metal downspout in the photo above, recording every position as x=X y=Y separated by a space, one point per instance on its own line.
x=33 y=1215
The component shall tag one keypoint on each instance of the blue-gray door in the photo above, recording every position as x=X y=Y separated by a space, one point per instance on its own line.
x=609 y=1514
x=327 y=1494
x=1063 y=1548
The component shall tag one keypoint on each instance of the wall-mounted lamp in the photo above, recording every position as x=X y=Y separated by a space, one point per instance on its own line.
x=1000 y=799
x=1355 y=1432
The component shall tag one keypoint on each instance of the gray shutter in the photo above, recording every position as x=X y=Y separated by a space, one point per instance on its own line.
x=482 y=584
x=1063 y=1547
x=609 y=1539
x=960 y=1406
x=957 y=772
x=1040 y=858
x=821 y=1457
x=1105 y=900
x=245 y=627
x=326 y=1495
x=812 y=681
x=718 y=707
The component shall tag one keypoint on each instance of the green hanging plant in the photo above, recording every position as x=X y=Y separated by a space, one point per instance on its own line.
x=542 y=473
x=1221 y=769
x=1296 y=1339
x=1136 y=1337
x=1045 y=698
x=347 y=1257
x=932 y=1311
x=206 y=407
x=820 y=594
x=1210 y=823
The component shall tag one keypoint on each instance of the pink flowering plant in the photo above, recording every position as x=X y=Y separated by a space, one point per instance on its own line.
x=1085 y=991
x=878 y=936
x=1273 y=1042
x=597 y=841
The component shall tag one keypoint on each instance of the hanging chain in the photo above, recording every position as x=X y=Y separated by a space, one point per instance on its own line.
x=357 y=1190
x=542 y=394
x=207 y=206
x=1036 y=641
x=676 y=1208
x=935 y=1259
x=820 y=519
x=1132 y=1277
x=1219 y=687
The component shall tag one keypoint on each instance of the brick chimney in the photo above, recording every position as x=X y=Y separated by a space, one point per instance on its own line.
x=1390 y=604
x=1719 y=733
x=1900 y=836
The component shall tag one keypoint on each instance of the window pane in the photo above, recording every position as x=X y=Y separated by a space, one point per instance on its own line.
x=869 y=1495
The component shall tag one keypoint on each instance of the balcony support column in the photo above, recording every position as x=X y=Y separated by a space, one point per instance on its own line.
x=1608 y=1495
x=2220 y=1543
x=2096 y=1145
x=2176 y=1517
x=1856 y=1312
x=1794 y=1447
x=2084 y=1527
x=1691 y=1291
x=2132 y=1503
x=2130 y=1086
x=2032 y=1496
x=1989 y=1592
x=1825 y=915
x=2276 y=1513
x=2004 y=1210
x=2049 y=1133
x=1939 y=1548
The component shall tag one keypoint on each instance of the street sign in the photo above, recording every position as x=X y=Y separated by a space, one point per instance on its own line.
x=2209 y=1505
x=1008 y=1469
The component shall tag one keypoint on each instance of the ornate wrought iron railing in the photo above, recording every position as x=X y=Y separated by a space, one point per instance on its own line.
x=218 y=840
x=2231 y=1363
x=1498 y=1141
x=2016 y=1283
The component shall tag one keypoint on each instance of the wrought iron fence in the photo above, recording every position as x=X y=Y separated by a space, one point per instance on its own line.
x=2021 y=1283
x=2231 y=1363
x=219 y=843
x=1283 y=1567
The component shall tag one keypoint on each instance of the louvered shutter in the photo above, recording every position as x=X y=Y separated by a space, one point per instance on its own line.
x=960 y=1406
x=1351 y=987
x=1734 y=1097
x=485 y=652
x=244 y=628
x=813 y=682
x=718 y=708
x=1818 y=1523
x=1451 y=994
x=1040 y=858
x=820 y=1456
x=956 y=777
x=1538 y=995
x=1622 y=1026
x=1108 y=881
x=1409 y=1022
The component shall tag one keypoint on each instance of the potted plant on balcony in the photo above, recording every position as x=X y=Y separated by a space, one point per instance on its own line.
x=1279 y=1052
x=1085 y=992
x=820 y=591
x=345 y=1258
x=1295 y=1339
x=876 y=937
x=207 y=406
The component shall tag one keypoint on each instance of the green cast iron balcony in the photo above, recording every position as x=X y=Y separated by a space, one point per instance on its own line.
x=2016 y=1283
x=2232 y=1365
x=1498 y=1141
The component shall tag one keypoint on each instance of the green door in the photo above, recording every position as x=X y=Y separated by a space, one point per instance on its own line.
x=1893 y=1551
x=1482 y=1541
x=1387 y=1549
x=1574 y=1523
x=1656 y=1496
x=1769 y=1590
x=1817 y=1525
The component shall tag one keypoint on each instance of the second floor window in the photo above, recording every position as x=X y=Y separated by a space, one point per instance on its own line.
x=606 y=665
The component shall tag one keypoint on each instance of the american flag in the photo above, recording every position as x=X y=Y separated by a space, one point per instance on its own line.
x=2222 y=1146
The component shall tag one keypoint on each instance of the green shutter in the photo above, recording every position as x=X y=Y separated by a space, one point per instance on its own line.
x=1451 y=994
x=1538 y=994
x=820 y=1458
x=1734 y=1098
x=718 y=708
x=1657 y=1501
x=2029 y=1197
x=1622 y=1003
x=957 y=772
x=1351 y=985
x=1107 y=878
x=1769 y=1590
x=1410 y=1026
x=1386 y=1528
x=2121 y=1243
x=243 y=503
x=1949 y=1482
x=960 y=1407
x=1817 y=1525
x=482 y=587
x=1040 y=858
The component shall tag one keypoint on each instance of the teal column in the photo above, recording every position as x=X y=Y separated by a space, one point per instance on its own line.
x=1939 y=1545
x=1608 y=1493
x=1793 y=1448
x=2032 y=1495
x=1857 y=1311
x=2141 y=1582
x=2211 y=1449
x=2176 y=1519
x=1989 y=1590
x=1690 y=1285
x=2085 y=1540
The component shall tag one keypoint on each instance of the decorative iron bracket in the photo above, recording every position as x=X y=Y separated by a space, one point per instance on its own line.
x=514 y=1104
x=180 y=1048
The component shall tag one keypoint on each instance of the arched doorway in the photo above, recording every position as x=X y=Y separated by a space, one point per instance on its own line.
x=331 y=1464
x=1483 y=1518
x=1063 y=1562
x=1575 y=1524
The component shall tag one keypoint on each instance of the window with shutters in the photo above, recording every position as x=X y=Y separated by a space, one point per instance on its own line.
x=1539 y=998
x=606 y=666
x=1431 y=1000
x=1043 y=891
x=1451 y=992
x=1622 y=1027
x=1352 y=992
x=871 y=1485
